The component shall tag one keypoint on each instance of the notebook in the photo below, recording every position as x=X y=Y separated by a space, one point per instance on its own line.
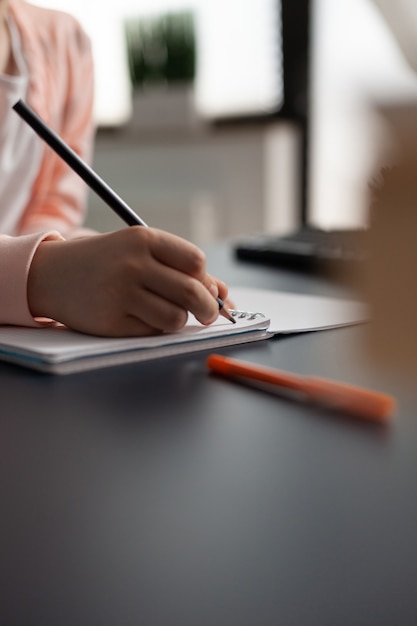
x=58 y=350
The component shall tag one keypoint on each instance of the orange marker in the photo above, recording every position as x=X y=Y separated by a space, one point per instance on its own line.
x=370 y=405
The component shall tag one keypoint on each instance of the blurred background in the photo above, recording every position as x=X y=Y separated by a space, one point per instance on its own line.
x=218 y=118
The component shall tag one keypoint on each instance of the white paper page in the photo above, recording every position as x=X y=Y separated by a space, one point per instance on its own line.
x=285 y=313
x=59 y=343
x=293 y=312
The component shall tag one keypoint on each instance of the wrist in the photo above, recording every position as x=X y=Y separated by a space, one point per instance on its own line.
x=41 y=279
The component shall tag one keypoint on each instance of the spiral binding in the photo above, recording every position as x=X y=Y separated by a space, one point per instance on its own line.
x=249 y=315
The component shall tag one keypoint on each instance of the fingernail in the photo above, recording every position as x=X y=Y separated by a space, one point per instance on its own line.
x=213 y=289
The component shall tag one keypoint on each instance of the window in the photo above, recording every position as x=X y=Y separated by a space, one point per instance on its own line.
x=355 y=61
x=238 y=65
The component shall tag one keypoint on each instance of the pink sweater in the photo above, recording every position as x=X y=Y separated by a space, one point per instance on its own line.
x=58 y=56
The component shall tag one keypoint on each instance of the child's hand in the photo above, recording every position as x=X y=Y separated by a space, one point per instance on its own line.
x=136 y=281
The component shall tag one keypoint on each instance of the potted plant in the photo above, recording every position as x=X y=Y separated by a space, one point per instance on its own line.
x=162 y=61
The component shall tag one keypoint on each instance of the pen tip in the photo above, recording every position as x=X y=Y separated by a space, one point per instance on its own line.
x=224 y=311
x=228 y=315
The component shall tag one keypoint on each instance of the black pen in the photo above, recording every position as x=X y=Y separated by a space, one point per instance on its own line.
x=89 y=176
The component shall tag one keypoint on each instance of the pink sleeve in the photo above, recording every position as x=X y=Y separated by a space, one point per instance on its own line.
x=16 y=254
x=58 y=198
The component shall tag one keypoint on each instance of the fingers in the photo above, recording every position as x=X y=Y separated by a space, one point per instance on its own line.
x=177 y=253
x=157 y=312
x=178 y=292
x=176 y=271
x=184 y=256
x=222 y=292
x=221 y=287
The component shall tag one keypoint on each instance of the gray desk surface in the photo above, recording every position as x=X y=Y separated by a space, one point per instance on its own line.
x=157 y=495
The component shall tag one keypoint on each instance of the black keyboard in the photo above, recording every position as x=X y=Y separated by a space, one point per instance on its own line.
x=308 y=249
